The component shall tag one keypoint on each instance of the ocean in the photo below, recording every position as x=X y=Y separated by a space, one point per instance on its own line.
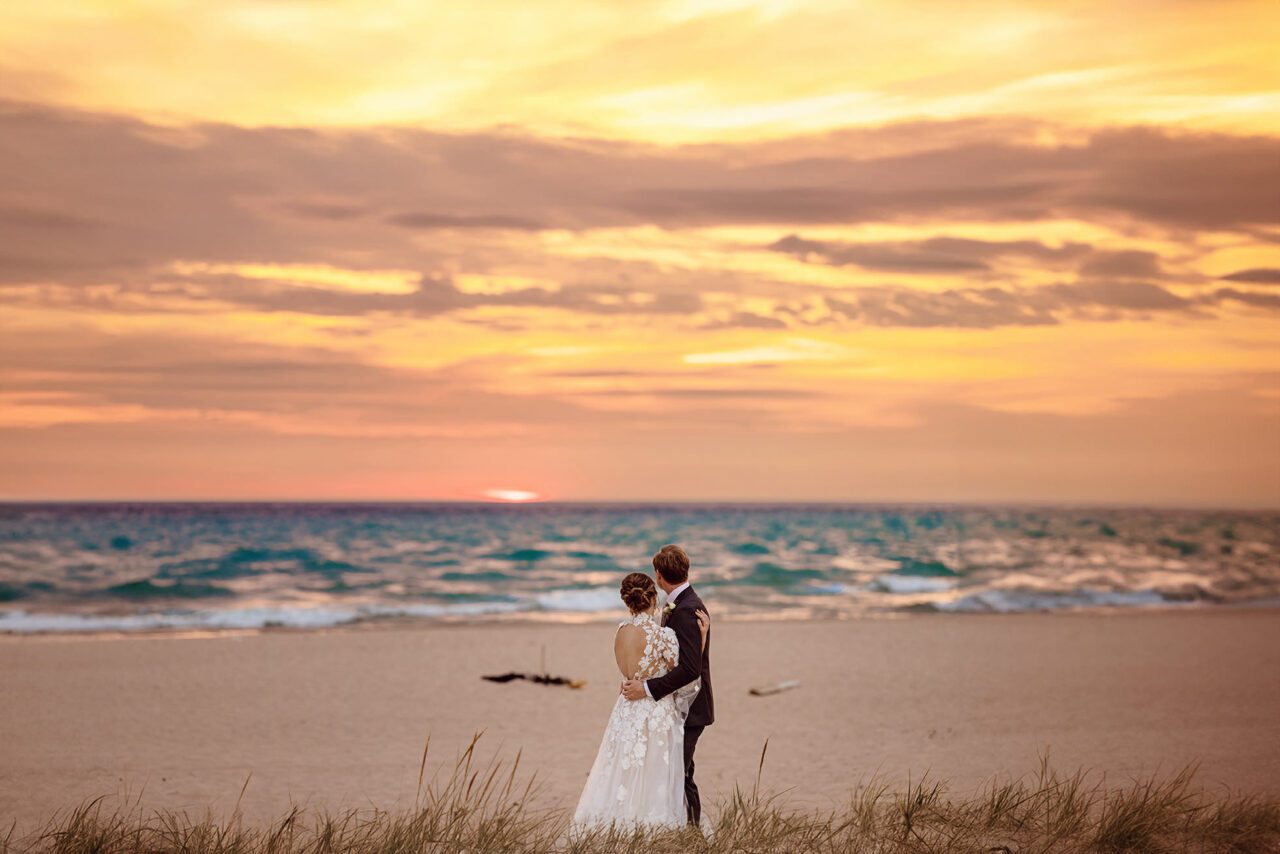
x=145 y=566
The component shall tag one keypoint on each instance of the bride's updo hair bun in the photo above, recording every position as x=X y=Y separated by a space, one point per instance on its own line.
x=638 y=592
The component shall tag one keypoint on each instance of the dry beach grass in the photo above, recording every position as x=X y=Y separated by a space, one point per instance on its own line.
x=475 y=805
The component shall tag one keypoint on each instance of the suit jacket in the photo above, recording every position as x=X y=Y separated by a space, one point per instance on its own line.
x=692 y=663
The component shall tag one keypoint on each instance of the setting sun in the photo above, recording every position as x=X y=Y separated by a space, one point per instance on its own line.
x=515 y=495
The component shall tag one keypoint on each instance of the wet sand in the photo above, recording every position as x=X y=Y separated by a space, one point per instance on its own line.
x=339 y=718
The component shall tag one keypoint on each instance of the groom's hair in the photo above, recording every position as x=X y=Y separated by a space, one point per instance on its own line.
x=672 y=564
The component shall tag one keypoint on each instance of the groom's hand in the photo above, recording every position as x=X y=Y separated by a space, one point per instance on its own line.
x=633 y=689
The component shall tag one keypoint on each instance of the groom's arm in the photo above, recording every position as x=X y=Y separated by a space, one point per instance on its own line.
x=688 y=667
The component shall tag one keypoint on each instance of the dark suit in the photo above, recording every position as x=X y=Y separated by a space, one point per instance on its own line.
x=694 y=662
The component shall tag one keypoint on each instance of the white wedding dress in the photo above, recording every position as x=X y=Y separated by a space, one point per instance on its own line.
x=638 y=775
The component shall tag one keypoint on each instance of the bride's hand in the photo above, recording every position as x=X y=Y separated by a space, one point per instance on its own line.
x=704 y=624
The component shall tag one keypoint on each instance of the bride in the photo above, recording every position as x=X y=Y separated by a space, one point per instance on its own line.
x=638 y=775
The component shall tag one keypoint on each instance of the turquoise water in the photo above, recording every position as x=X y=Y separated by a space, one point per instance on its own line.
x=141 y=566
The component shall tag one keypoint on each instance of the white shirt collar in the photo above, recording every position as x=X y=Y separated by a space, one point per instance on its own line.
x=676 y=591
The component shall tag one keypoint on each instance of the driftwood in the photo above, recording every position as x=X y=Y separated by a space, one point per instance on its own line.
x=540 y=678
x=775 y=688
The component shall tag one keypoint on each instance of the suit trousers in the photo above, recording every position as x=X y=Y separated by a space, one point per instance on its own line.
x=692 y=803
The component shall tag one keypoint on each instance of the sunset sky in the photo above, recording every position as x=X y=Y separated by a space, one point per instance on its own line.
x=863 y=251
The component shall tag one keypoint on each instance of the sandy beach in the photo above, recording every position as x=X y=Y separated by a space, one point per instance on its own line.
x=339 y=718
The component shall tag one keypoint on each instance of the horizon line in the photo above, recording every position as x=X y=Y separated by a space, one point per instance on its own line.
x=696 y=502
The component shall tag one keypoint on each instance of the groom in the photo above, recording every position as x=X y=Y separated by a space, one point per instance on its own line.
x=671 y=565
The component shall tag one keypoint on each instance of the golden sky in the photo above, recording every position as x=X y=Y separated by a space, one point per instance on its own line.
x=865 y=251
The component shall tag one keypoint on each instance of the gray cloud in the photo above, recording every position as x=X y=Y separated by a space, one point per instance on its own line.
x=933 y=255
x=420 y=219
x=1253 y=298
x=1137 y=296
x=989 y=307
x=683 y=373
x=121 y=200
x=140 y=196
x=981 y=308
x=1126 y=262
x=325 y=210
x=39 y=219
x=433 y=295
x=1180 y=180
x=706 y=392
x=745 y=320
x=1256 y=276
x=968 y=256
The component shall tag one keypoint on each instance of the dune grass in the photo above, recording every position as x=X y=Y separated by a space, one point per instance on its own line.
x=486 y=806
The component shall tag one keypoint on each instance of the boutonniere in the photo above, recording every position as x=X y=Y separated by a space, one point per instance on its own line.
x=671 y=606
